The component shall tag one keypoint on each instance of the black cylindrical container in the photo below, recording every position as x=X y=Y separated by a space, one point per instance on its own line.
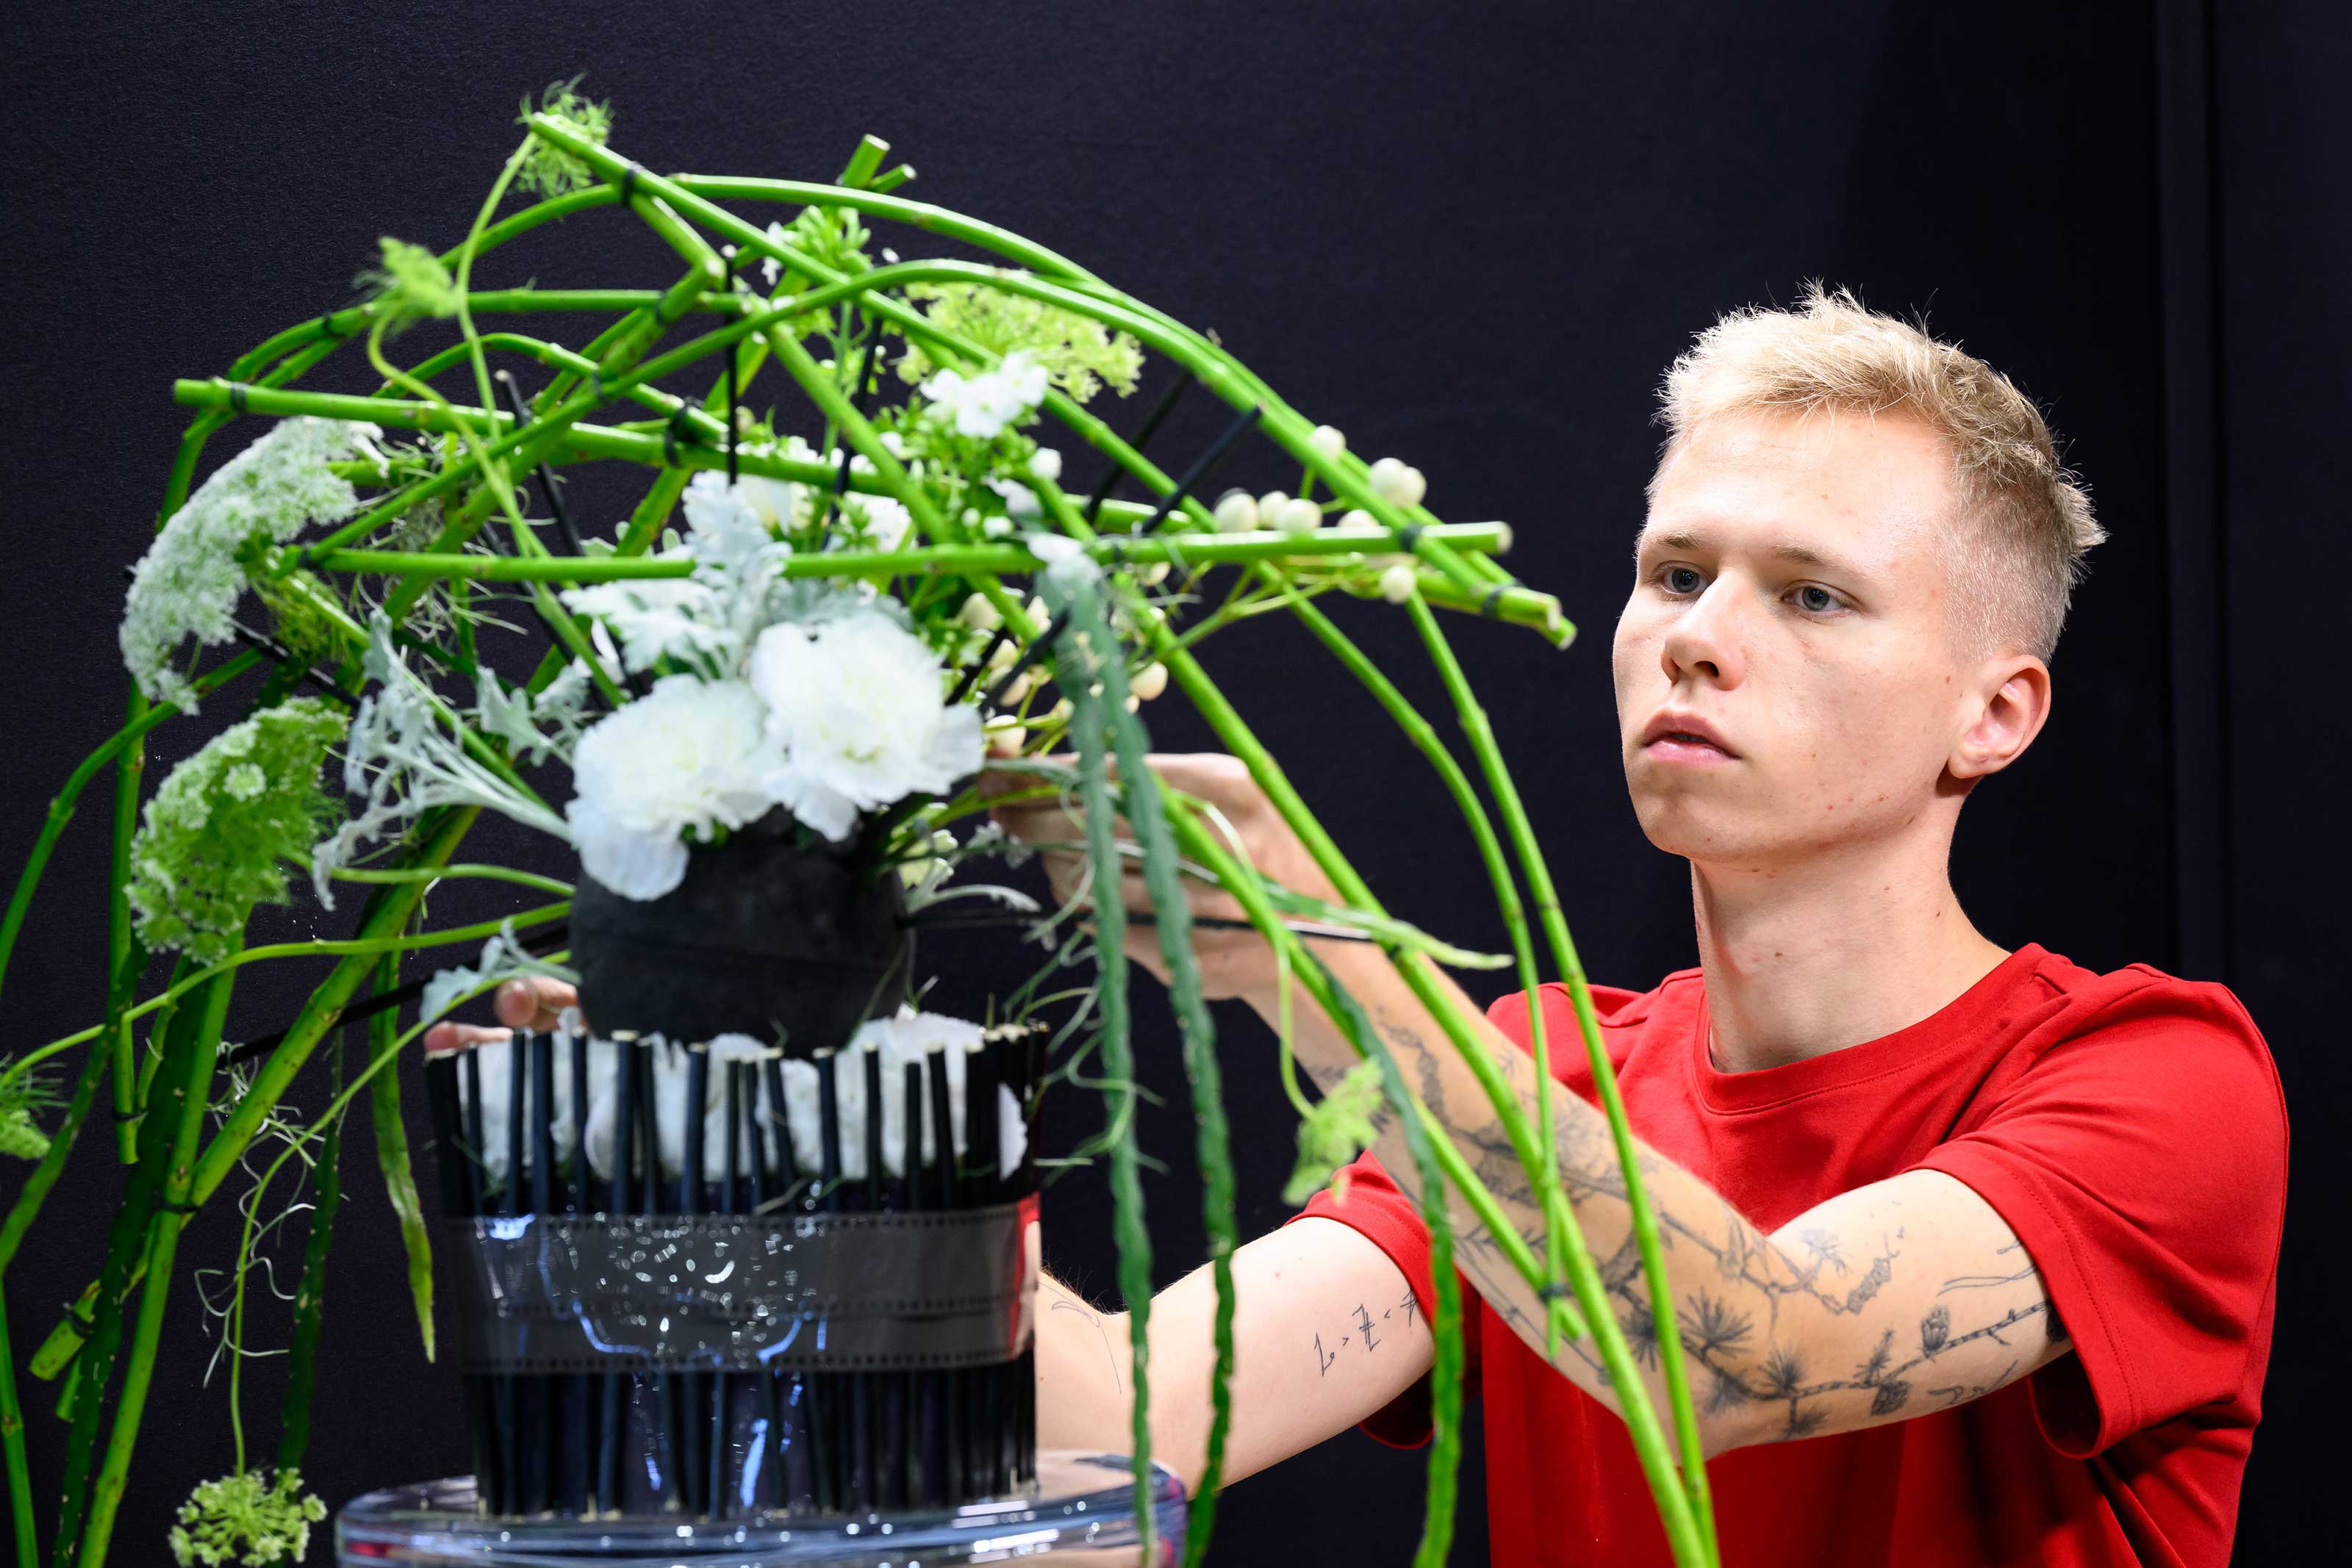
x=775 y=934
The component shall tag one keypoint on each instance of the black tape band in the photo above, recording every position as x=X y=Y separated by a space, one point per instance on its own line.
x=237 y=397
x=1409 y=536
x=629 y=171
x=1491 y=607
x=741 y=1292
x=174 y=1205
x=327 y=327
x=122 y=1116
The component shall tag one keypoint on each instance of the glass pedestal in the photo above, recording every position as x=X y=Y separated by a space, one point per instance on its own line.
x=1083 y=1512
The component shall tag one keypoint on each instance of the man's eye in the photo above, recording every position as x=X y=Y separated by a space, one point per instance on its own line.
x=1820 y=601
x=1681 y=579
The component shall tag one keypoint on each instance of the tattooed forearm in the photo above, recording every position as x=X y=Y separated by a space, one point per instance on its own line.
x=1838 y=1319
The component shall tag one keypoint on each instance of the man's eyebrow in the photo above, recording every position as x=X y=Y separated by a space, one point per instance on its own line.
x=1790 y=554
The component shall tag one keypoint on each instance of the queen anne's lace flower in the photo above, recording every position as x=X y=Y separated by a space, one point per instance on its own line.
x=689 y=755
x=982 y=405
x=213 y=842
x=856 y=705
x=247 y=1519
x=190 y=577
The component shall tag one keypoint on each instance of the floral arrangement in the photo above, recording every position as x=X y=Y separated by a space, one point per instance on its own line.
x=817 y=618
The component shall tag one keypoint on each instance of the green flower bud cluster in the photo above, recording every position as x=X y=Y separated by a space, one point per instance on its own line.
x=214 y=840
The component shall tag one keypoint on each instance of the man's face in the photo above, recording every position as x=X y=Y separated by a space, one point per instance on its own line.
x=1790 y=603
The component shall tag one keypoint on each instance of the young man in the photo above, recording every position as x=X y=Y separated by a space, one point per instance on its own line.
x=1991 y=1234
x=1994 y=1234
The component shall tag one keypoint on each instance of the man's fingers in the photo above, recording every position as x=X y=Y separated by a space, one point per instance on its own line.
x=443 y=1038
x=535 y=1003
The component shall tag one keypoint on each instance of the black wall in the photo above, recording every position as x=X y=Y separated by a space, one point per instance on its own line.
x=1469 y=234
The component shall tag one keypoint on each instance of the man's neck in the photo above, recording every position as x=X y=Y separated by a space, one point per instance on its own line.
x=1800 y=961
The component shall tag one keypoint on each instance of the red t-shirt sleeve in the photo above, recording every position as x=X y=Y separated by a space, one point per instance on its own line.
x=2142 y=1161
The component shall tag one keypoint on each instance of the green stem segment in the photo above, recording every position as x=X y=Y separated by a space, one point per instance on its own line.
x=1642 y=1214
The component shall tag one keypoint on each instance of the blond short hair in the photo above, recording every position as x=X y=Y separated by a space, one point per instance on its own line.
x=2027 y=520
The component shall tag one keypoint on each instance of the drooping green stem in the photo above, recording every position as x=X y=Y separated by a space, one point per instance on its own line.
x=1346 y=1015
x=1087 y=734
x=392 y=1152
x=1425 y=739
x=310 y=1296
x=163 y=1245
x=1642 y=1214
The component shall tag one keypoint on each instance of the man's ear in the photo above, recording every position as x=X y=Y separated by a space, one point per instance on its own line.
x=2013 y=695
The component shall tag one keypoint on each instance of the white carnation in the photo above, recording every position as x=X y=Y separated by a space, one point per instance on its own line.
x=190 y=577
x=983 y=404
x=856 y=705
x=688 y=756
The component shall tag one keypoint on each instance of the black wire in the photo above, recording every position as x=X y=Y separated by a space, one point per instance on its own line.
x=546 y=476
x=1143 y=433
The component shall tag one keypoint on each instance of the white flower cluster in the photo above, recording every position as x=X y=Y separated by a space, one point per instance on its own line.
x=189 y=580
x=981 y=405
x=836 y=713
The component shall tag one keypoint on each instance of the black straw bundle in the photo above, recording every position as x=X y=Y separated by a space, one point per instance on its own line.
x=724 y=1442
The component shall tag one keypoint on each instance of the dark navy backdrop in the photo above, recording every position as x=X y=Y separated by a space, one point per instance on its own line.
x=1469 y=234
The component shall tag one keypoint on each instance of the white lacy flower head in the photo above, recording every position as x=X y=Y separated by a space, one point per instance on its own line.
x=675 y=618
x=856 y=705
x=690 y=754
x=190 y=577
x=983 y=404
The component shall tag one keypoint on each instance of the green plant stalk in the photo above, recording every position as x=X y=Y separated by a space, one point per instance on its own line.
x=1098 y=655
x=1347 y=1016
x=1086 y=733
x=1604 y=1078
x=945 y=559
x=120 y=941
x=128 y=1239
x=324 y=948
x=1641 y=1419
x=61 y=810
x=310 y=1297
x=1424 y=738
x=486 y=872
x=392 y=1153
x=163 y=1244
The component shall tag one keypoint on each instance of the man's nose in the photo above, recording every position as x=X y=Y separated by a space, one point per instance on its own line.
x=1705 y=641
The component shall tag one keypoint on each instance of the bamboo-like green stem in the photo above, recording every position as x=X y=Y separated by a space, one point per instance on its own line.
x=1642 y=1214
x=560 y=888
x=62 y=804
x=163 y=1244
x=945 y=559
x=1425 y=739
x=309 y=1300
x=320 y=947
x=1642 y=1423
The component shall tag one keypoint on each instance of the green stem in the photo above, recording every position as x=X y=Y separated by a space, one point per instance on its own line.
x=1604 y=1078
x=1086 y=733
x=958 y=559
x=163 y=1245
x=486 y=872
x=318 y=947
x=392 y=1153
x=310 y=1296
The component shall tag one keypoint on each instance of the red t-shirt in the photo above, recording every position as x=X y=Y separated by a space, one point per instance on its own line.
x=2127 y=1126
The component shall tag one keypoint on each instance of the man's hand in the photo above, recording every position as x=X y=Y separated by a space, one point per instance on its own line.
x=1234 y=963
x=535 y=1004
